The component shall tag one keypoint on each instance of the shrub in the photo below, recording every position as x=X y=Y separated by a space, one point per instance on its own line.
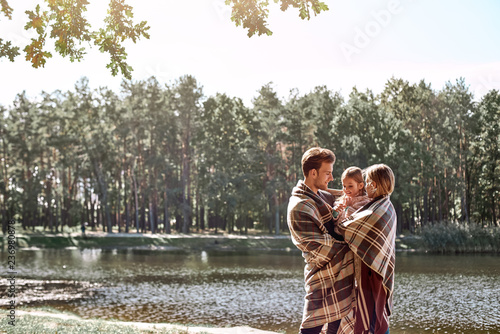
x=454 y=237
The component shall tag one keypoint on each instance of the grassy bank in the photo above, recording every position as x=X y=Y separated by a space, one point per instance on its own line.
x=45 y=323
x=47 y=320
x=155 y=241
x=434 y=238
x=460 y=238
x=176 y=241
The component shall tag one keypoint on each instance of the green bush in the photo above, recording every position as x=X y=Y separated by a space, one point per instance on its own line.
x=451 y=237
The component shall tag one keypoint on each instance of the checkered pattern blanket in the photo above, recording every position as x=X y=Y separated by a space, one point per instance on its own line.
x=329 y=269
x=371 y=234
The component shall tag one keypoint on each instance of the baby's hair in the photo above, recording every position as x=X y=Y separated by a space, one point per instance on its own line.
x=356 y=174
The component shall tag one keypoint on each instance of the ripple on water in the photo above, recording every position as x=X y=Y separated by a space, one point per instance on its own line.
x=466 y=303
x=224 y=303
x=433 y=294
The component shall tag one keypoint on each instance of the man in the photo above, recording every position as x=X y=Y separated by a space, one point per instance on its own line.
x=329 y=269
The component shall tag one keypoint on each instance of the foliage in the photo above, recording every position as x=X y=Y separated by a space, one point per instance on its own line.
x=165 y=157
x=253 y=14
x=65 y=23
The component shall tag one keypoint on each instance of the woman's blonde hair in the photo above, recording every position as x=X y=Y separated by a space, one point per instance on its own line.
x=356 y=174
x=383 y=177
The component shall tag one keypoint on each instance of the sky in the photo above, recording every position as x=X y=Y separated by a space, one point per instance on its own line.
x=357 y=43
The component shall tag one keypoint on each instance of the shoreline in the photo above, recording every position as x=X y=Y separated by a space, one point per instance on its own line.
x=172 y=242
x=176 y=242
x=58 y=320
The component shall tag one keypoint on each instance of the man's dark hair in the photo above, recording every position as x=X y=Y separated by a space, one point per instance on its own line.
x=314 y=157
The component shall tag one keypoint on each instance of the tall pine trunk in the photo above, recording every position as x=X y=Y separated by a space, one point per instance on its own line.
x=166 y=218
x=104 y=192
x=136 y=199
x=184 y=183
x=118 y=204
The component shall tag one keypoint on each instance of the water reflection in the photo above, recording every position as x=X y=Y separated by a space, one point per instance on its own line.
x=204 y=257
x=90 y=255
x=433 y=294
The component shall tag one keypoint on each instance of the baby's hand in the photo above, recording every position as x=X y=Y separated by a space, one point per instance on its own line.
x=339 y=207
x=347 y=201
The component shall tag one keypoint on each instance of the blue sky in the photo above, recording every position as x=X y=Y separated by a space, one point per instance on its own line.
x=358 y=43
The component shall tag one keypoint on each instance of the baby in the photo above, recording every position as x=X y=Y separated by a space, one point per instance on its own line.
x=353 y=194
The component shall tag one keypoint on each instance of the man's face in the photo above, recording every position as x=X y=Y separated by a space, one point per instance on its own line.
x=323 y=176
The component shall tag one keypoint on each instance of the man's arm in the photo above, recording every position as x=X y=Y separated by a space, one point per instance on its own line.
x=317 y=245
x=334 y=192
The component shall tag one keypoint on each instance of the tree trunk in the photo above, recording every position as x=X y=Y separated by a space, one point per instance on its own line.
x=127 y=215
x=246 y=225
x=414 y=214
x=446 y=196
x=440 y=202
x=143 y=213
x=276 y=215
x=202 y=217
x=151 y=218
x=197 y=209
x=126 y=204
x=57 y=213
x=98 y=214
x=92 y=214
x=399 y=214
x=86 y=202
x=493 y=209
x=185 y=181
x=270 y=214
x=426 y=205
x=5 y=184
x=136 y=199
x=104 y=191
x=166 y=218
x=118 y=205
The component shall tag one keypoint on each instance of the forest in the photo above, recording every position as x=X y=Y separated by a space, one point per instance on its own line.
x=165 y=158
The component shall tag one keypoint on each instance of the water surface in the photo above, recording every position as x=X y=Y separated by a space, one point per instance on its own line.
x=433 y=294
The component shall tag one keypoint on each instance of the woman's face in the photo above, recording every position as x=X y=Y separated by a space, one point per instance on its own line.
x=371 y=188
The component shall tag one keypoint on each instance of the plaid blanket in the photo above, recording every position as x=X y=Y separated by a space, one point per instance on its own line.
x=371 y=234
x=357 y=203
x=329 y=269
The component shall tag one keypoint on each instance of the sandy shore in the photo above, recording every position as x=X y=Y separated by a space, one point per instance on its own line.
x=150 y=326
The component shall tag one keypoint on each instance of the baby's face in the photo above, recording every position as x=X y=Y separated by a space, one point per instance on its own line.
x=350 y=187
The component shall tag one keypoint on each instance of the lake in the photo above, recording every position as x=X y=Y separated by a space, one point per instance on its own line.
x=261 y=289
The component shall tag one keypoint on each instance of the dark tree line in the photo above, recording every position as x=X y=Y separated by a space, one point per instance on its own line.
x=165 y=157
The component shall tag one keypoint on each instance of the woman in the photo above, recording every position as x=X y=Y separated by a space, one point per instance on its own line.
x=370 y=233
